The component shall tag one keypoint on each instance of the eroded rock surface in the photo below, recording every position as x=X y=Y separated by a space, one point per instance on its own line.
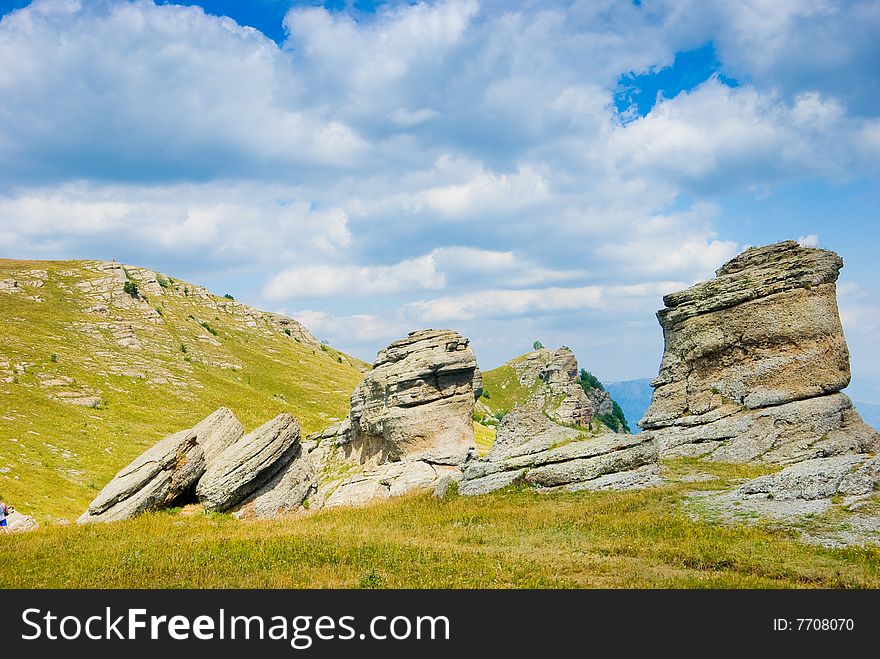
x=248 y=464
x=533 y=449
x=829 y=501
x=166 y=471
x=754 y=363
x=552 y=440
x=417 y=403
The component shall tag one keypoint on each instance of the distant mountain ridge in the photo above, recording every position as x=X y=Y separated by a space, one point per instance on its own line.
x=634 y=397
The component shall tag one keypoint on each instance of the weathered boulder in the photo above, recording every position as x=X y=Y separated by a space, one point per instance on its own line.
x=535 y=450
x=166 y=471
x=20 y=523
x=285 y=492
x=754 y=361
x=244 y=467
x=823 y=478
x=831 y=501
x=417 y=402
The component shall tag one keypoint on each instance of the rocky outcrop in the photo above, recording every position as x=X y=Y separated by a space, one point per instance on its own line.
x=533 y=449
x=754 y=363
x=552 y=375
x=416 y=404
x=829 y=501
x=410 y=425
x=552 y=441
x=244 y=467
x=167 y=471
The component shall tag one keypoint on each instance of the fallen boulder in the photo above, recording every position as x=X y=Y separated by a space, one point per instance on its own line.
x=244 y=467
x=166 y=471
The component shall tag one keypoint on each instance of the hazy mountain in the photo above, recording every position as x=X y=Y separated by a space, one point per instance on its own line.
x=634 y=397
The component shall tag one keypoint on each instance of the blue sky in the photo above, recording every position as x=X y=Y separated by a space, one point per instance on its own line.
x=514 y=170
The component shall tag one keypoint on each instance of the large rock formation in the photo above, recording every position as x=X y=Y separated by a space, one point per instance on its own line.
x=410 y=425
x=416 y=403
x=167 y=471
x=244 y=467
x=754 y=363
x=552 y=439
x=552 y=376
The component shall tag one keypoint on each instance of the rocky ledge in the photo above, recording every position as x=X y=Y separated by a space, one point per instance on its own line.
x=828 y=501
x=553 y=441
x=754 y=363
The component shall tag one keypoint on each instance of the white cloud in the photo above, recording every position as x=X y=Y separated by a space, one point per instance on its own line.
x=488 y=304
x=810 y=240
x=207 y=222
x=407 y=118
x=354 y=329
x=328 y=280
x=455 y=146
x=118 y=90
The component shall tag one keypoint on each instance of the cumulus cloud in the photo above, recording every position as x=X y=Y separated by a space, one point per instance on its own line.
x=510 y=303
x=327 y=280
x=131 y=90
x=445 y=161
x=811 y=240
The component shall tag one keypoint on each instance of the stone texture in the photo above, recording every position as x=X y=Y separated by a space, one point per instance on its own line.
x=166 y=471
x=416 y=403
x=817 y=479
x=244 y=467
x=553 y=375
x=829 y=501
x=754 y=361
x=534 y=449
x=641 y=477
x=552 y=441
x=285 y=492
x=20 y=523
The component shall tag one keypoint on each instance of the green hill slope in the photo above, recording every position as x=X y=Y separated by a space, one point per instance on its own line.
x=98 y=361
x=506 y=387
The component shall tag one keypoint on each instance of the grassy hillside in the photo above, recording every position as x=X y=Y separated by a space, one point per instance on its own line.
x=507 y=539
x=99 y=361
x=502 y=392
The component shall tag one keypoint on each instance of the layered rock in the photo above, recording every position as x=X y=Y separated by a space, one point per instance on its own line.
x=410 y=425
x=754 y=362
x=551 y=440
x=167 y=471
x=417 y=402
x=532 y=448
x=249 y=464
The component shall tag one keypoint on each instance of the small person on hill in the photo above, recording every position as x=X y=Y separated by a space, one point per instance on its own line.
x=4 y=511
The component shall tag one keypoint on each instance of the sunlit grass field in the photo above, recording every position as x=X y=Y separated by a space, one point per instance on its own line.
x=512 y=539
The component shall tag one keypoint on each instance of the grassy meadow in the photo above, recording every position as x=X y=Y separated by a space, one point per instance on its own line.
x=511 y=539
